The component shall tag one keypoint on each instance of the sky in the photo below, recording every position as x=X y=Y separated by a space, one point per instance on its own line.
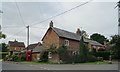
x=94 y=17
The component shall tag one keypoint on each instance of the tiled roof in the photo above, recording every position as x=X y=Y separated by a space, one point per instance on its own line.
x=32 y=46
x=38 y=48
x=73 y=36
x=16 y=44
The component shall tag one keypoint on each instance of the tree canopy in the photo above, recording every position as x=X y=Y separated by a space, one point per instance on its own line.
x=99 y=38
x=1 y=34
x=115 y=42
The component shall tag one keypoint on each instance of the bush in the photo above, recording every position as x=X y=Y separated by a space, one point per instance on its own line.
x=3 y=55
x=92 y=58
x=23 y=57
x=44 y=56
x=104 y=54
x=16 y=58
x=63 y=53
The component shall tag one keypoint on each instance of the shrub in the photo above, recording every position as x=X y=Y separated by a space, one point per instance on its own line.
x=92 y=58
x=104 y=54
x=23 y=57
x=63 y=53
x=3 y=55
x=44 y=56
x=16 y=58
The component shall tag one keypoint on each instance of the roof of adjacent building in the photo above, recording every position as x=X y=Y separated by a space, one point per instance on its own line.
x=16 y=44
x=32 y=46
x=72 y=36
x=36 y=47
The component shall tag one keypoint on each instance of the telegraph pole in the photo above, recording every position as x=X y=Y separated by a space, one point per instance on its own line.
x=27 y=35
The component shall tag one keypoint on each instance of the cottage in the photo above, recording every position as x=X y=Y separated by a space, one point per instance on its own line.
x=15 y=47
x=58 y=37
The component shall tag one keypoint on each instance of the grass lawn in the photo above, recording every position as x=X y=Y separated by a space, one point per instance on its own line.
x=89 y=63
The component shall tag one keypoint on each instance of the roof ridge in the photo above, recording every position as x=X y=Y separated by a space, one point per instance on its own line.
x=64 y=30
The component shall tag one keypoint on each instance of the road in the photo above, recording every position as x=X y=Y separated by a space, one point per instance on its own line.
x=34 y=66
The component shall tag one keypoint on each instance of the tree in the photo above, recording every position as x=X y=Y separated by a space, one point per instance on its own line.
x=3 y=46
x=84 y=34
x=83 y=51
x=1 y=34
x=115 y=42
x=98 y=37
x=63 y=53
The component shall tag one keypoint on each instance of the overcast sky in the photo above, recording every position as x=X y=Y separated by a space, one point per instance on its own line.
x=94 y=17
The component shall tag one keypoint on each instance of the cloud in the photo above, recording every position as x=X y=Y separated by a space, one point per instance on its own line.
x=100 y=17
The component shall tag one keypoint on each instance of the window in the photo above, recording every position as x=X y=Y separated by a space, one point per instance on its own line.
x=66 y=42
x=75 y=53
x=50 y=55
x=15 y=48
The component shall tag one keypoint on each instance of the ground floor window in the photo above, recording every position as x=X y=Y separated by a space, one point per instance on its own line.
x=49 y=54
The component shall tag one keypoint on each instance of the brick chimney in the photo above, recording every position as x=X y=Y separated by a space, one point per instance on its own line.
x=51 y=24
x=78 y=32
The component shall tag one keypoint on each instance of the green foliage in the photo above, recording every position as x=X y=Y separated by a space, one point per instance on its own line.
x=84 y=34
x=3 y=46
x=3 y=55
x=83 y=51
x=104 y=54
x=116 y=46
x=23 y=57
x=44 y=56
x=63 y=53
x=98 y=37
x=18 y=58
x=92 y=58
x=93 y=52
x=52 y=49
x=1 y=34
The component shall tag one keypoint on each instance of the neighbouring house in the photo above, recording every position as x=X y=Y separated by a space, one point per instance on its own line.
x=15 y=47
x=35 y=49
x=58 y=37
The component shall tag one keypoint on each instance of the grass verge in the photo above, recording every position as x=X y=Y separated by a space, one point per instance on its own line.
x=88 y=63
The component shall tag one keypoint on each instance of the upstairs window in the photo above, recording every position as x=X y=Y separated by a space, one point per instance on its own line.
x=66 y=42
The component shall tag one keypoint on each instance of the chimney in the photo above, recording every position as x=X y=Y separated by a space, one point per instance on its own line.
x=51 y=24
x=78 y=32
x=15 y=40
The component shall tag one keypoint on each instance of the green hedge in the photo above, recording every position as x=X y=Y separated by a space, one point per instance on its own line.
x=104 y=54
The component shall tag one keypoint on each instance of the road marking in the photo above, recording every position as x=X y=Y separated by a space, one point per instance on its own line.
x=45 y=68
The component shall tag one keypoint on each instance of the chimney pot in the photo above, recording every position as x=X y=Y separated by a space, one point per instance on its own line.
x=78 y=31
x=51 y=24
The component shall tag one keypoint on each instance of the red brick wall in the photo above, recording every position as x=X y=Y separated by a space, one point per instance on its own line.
x=54 y=59
x=16 y=48
x=73 y=45
x=51 y=38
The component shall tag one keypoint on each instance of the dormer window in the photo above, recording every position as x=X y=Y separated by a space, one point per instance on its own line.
x=66 y=42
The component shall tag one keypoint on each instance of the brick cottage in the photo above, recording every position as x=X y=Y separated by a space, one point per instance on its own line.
x=58 y=37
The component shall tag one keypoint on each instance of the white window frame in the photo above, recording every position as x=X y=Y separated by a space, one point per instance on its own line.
x=49 y=54
x=15 y=48
x=66 y=42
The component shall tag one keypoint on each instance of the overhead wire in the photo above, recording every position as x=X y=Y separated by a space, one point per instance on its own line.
x=20 y=13
x=15 y=33
x=62 y=13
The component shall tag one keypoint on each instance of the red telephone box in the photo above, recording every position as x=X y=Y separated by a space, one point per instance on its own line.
x=28 y=55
